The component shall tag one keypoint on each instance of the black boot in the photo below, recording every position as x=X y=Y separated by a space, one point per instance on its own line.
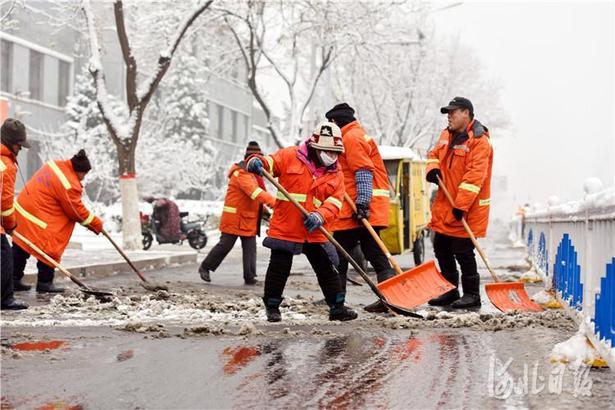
x=342 y=313
x=19 y=286
x=468 y=300
x=13 y=305
x=272 y=306
x=48 y=287
x=376 y=307
x=204 y=274
x=446 y=299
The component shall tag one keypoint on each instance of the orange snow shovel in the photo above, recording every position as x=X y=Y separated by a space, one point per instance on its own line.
x=82 y=286
x=506 y=296
x=412 y=287
x=396 y=308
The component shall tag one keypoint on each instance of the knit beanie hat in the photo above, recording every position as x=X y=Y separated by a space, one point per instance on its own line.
x=342 y=114
x=80 y=162
x=253 y=148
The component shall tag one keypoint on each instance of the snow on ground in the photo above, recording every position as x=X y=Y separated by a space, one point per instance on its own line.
x=577 y=350
x=204 y=308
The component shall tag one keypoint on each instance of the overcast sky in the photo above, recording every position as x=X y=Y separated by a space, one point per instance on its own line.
x=555 y=60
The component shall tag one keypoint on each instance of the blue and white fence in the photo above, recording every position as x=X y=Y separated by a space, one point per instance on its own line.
x=573 y=248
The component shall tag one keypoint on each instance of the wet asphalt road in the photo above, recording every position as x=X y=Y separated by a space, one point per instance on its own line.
x=358 y=364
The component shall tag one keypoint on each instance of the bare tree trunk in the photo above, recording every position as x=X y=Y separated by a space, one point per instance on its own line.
x=125 y=138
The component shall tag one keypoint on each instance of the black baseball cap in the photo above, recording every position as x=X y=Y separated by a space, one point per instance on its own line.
x=456 y=103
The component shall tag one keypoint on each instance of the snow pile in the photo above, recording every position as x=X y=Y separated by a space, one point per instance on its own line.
x=577 y=351
x=546 y=299
x=141 y=311
x=531 y=276
x=596 y=200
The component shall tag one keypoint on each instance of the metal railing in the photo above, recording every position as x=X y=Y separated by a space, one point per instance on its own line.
x=572 y=246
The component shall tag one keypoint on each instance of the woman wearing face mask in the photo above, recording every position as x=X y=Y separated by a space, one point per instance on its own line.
x=311 y=174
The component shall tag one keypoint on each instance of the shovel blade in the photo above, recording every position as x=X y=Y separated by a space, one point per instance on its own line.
x=415 y=286
x=509 y=296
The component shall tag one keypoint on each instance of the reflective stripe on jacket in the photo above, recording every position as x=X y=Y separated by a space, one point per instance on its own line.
x=244 y=197
x=466 y=170
x=8 y=171
x=361 y=152
x=323 y=194
x=48 y=208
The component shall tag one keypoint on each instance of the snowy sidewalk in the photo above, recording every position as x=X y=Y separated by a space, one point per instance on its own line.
x=89 y=255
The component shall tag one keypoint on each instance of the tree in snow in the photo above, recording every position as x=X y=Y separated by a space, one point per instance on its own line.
x=86 y=129
x=178 y=122
x=295 y=43
x=124 y=131
x=401 y=76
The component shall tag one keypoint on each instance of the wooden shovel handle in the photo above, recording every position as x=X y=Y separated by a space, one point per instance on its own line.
x=51 y=261
x=469 y=231
x=116 y=246
x=371 y=230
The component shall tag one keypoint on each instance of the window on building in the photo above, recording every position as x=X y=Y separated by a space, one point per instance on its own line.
x=6 y=50
x=36 y=75
x=221 y=121
x=63 y=82
x=234 y=125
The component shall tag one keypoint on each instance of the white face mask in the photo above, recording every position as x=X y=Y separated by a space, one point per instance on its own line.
x=327 y=158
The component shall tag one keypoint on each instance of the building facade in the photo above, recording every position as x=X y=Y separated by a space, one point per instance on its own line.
x=37 y=70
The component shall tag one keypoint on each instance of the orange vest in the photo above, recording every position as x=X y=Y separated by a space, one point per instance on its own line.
x=48 y=208
x=466 y=171
x=323 y=194
x=8 y=171
x=361 y=152
x=240 y=215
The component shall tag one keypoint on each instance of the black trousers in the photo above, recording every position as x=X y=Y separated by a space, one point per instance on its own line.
x=223 y=247
x=278 y=271
x=6 y=270
x=20 y=258
x=349 y=239
x=447 y=249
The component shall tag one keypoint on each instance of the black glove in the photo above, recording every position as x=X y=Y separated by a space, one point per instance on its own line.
x=432 y=176
x=362 y=212
x=457 y=213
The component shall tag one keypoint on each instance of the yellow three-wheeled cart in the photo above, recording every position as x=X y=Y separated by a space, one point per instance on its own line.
x=410 y=212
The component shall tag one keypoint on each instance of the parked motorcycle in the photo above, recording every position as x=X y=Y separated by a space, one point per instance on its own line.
x=192 y=231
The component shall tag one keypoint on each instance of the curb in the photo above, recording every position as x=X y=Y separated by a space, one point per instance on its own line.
x=103 y=270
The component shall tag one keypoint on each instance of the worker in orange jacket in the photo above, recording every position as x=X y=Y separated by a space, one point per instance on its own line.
x=462 y=158
x=312 y=176
x=367 y=184
x=13 y=138
x=47 y=210
x=241 y=218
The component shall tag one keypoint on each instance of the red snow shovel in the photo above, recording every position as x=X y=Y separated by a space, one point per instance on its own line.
x=399 y=309
x=412 y=287
x=82 y=286
x=144 y=282
x=506 y=296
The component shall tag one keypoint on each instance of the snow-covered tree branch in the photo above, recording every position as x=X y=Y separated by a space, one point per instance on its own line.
x=125 y=131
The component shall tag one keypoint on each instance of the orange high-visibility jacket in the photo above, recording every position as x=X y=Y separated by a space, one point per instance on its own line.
x=48 y=208
x=240 y=215
x=361 y=152
x=323 y=194
x=466 y=171
x=8 y=170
